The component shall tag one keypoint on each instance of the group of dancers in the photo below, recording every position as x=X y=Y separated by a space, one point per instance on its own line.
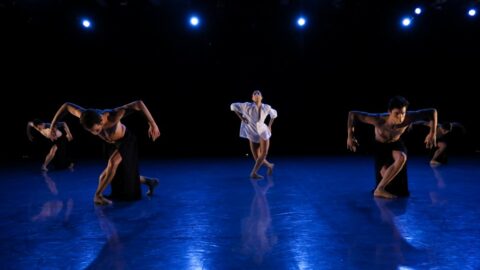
x=122 y=170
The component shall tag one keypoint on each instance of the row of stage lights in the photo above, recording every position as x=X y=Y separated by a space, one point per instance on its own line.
x=301 y=21
x=408 y=20
x=194 y=22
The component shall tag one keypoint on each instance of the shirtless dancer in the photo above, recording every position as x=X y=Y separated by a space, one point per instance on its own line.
x=58 y=151
x=122 y=169
x=390 y=152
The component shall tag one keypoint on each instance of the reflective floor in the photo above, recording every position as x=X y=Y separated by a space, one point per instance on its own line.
x=314 y=213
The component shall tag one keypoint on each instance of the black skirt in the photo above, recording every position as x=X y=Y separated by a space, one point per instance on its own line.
x=126 y=182
x=61 y=160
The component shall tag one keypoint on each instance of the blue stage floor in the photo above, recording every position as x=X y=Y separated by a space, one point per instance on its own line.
x=314 y=213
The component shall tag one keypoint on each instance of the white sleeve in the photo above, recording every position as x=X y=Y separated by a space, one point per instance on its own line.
x=272 y=112
x=238 y=107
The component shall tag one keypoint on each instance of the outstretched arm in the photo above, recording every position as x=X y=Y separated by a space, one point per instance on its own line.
x=67 y=107
x=120 y=112
x=364 y=117
x=431 y=116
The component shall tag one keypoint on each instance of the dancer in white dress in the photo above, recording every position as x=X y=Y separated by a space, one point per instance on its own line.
x=253 y=128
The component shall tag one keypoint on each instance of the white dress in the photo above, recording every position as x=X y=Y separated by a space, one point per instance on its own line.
x=256 y=128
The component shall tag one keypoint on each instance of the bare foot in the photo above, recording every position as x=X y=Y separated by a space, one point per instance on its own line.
x=44 y=168
x=256 y=176
x=151 y=184
x=381 y=193
x=101 y=200
x=270 y=169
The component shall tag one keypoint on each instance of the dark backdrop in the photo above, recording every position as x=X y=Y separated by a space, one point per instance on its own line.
x=351 y=55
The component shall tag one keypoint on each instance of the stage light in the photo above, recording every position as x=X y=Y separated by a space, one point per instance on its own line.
x=472 y=12
x=86 y=23
x=406 y=21
x=301 y=21
x=194 y=21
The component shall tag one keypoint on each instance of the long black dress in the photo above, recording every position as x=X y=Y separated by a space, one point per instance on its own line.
x=126 y=182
